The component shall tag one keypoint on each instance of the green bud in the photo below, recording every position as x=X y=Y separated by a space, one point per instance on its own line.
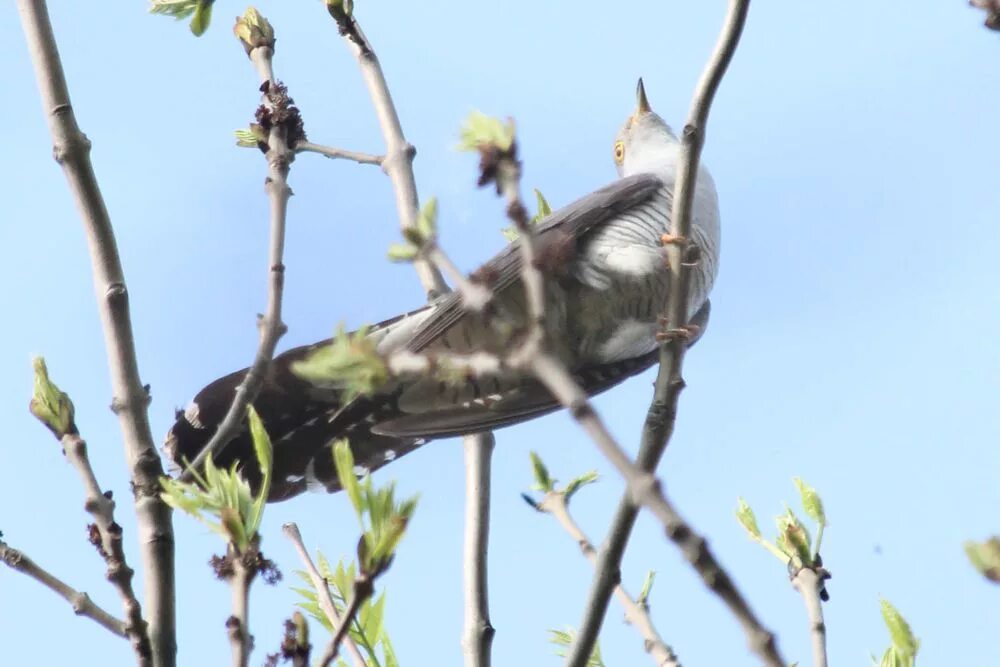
x=253 y=30
x=481 y=131
x=578 y=483
x=985 y=557
x=51 y=406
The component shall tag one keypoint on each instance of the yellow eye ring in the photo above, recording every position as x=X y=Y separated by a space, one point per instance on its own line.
x=619 y=152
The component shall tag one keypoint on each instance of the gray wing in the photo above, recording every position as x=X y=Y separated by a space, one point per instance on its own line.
x=523 y=399
x=571 y=223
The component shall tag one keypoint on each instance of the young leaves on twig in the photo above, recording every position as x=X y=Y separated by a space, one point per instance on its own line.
x=49 y=404
x=222 y=499
x=253 y=30
x=349 y=363
x=382 y=519
x=545 y=483
x=903 y=652
x=418 y=237
x=367 y=629
x=200 y=12
x=793 y=544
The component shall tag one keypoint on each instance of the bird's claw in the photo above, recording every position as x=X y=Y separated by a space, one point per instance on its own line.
x=685 y=333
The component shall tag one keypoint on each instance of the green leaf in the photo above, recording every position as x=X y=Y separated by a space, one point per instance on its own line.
x=811 y=502
x=543 y=482
x=388 y=652
x=481 y=131
x=578 y=483
x=564 y=639
x=343 y=459
x=899 y=631
x=747 y=519
x=201 y=19
x=647 y=588
x=265 y=458
x=49 y=404
x=543 y=207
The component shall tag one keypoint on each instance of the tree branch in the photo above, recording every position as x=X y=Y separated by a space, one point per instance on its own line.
x=337 y=153
x=71 y=149
x=80 y=602
x=809 y=583
x=108 y=540
x=636 y=614
x=669 y=381
x=279 y=159
x=323 y=596
x=238 y=625
x=477 y=634
x=399 y=153
x=398 y=166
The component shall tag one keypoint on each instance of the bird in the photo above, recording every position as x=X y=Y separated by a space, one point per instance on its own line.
x=606 y=286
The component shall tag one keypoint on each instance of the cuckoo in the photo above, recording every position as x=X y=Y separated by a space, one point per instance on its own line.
x=606 y=286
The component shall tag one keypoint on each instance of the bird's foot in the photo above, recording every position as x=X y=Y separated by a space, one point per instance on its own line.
x=686 y=333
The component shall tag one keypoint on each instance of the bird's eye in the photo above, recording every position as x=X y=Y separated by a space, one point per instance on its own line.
x=619 y=151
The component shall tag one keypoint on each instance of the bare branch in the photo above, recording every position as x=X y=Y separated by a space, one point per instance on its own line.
x=72 y=150
x=80 y=602
x=238 y=625
x=399 y=153
x=636 y=614
x=337 y=153
x=323 y=596
x=108 y=541
x=279 y=159
x=669 y=382
x=477 y=635
x=809 y=583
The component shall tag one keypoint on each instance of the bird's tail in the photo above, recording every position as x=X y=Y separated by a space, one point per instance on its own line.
x=301 y=420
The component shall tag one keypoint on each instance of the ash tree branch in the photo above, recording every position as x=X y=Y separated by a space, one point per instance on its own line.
x=669 y=382
x=323 y=596
x=338 y=153
x=80 y=602
x=238 y=625
x=808 y=582
x=399 y=153
x=637 y=615
x=398 y=166
x=478 y=631
x=108 y=540
x=71 y=149
x=284 y=128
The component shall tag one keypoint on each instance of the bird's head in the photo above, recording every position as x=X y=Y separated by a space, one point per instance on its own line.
x=645 y=143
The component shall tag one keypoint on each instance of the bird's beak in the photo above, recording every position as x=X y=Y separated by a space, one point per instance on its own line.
x=642 y=103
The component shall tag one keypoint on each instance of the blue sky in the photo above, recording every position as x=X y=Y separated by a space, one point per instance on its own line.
x=853 y=335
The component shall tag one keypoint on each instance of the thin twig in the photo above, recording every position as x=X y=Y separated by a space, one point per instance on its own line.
x=303 y=146
x=323 y=596
x=398 y=166
x=80 y=602
x=478 y=631
x=636 y=614
x=363 y=590
x=279 y=159
x=669 y=382
x=109 y=544
x=809 y=583
x=399 y=153
x=238 y=625
x=71 y=149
